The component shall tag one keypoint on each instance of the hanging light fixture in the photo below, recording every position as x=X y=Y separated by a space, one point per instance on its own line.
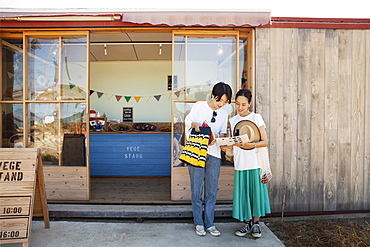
x=105 y=49
x=160 y=49
x=220 y=50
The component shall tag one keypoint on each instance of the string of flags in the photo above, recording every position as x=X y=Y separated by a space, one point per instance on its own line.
x=137 y=98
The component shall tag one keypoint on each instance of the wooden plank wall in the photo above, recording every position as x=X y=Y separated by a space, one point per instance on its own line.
x=313 y=91
x=66 y=183
x=130 y=154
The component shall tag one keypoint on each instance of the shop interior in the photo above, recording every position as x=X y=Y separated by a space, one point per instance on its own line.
x=130 y=70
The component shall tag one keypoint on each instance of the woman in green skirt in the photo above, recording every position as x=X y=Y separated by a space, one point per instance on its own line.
x=250 y=200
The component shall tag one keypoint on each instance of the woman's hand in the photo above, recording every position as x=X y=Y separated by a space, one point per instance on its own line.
x=195 y=126
x=225 y=148
x=246 y=145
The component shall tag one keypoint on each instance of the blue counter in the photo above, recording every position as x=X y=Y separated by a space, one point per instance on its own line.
x=130 y=154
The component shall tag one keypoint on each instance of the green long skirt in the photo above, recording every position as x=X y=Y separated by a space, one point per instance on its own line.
x=250 y=195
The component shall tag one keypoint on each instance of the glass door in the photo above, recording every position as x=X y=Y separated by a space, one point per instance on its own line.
x=45 y=87
x=200 y=60
x=55 y=99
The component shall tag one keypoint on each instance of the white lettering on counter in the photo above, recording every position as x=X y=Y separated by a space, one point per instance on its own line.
x=133 y=149
x=133 y=155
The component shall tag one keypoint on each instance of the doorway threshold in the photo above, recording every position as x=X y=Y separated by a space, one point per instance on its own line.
x=137 y=212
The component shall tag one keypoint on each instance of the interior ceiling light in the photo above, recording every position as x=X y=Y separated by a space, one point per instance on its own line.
x=160 y=49
x=105 y=49
x=220 y=50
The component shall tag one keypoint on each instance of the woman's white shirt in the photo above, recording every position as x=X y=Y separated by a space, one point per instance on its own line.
x=201 y=112
x=246 y=159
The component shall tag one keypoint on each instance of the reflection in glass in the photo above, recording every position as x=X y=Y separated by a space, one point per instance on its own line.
x=73 y=147
x=12 y=125
x=199 y=63
x=43 y=66
x=43 y=124
x=243 y=64
x=12 y=69
x=49 y=123
x=57 y=68
x=181 y=110
x=72 y=116
x=73 y=68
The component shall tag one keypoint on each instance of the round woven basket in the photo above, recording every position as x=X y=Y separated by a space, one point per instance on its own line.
x=165 y=129
x=120 y=127
x=144 y=127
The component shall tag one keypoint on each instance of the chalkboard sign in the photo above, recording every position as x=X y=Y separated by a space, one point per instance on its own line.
x=171 y=84
x=127 y=114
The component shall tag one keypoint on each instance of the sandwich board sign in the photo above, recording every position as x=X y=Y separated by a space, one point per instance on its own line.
x=22 y=194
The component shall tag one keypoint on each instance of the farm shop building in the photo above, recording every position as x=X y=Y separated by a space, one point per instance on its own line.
x=86 y=87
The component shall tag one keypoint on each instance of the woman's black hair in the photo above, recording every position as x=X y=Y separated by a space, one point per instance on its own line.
x=246 y=93
x=220 y=89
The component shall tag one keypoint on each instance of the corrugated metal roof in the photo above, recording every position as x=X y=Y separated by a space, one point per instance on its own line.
x=151 y=16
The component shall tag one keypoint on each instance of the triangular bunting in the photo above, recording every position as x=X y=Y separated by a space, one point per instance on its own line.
x=91 y=92
x=157 y=97
x=208 y=82
x=137 y=99
x=198 y=87
x=10 y=75
x=99 y=94
x=127 y=98
x=118 y=98
x=188 y=90
x=146 y=98
x=108 y=96
x=80 y=89
x=71 y=85
x=177 y=93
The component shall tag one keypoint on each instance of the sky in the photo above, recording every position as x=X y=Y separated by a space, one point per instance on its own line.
x=278 y=8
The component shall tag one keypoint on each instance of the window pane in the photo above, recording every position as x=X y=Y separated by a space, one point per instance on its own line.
x=44 y=129
x=59 y=131
x=12 y=69
x=73 y=68
x=202 y=62
x=12 y=125
x=43 y=68
x=73 y=134
x=243 y=64
x=57 y=68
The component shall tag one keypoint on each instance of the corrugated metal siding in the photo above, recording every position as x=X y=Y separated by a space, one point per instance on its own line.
x=313 y=90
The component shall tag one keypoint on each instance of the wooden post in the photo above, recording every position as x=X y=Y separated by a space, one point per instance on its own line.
x=22 y=194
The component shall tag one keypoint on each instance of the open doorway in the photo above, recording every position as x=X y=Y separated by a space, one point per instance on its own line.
x=130 y=103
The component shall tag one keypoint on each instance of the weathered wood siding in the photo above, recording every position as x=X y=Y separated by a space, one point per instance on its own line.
x=313 y=90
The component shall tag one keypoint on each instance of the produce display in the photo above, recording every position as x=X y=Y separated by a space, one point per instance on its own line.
x=120 y=127
x=144 y=127
x=165 y=129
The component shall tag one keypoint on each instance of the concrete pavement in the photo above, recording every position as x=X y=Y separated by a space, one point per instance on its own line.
x=87 y=234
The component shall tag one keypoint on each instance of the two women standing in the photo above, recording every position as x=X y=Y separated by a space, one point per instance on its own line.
x=250 y=194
